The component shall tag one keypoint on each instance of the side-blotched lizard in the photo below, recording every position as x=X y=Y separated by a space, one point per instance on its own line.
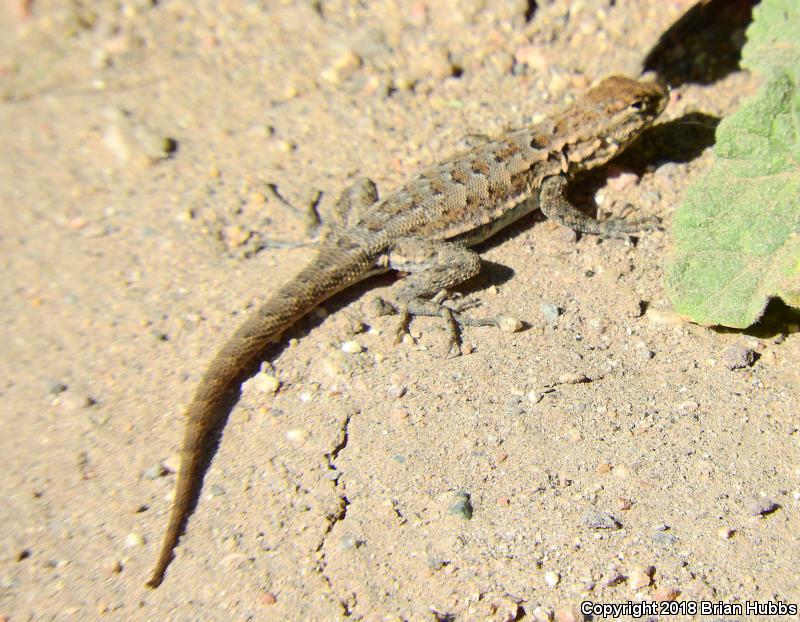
x=424 y=229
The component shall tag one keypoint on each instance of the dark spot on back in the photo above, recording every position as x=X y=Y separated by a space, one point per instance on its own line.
x=480 y=166
x=506 y=151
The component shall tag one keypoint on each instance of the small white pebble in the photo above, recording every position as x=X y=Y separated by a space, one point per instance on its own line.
x=352 y=347
x=266 y=383
x=540 y=614
x=534 y=397
x=599 y=198
x=552 y=578
x=726 y=533
x=285 y=146
x=297 y=436
x=509 y=323
x=133 y=539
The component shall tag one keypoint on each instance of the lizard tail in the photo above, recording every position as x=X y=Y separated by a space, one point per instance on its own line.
x=328 y=274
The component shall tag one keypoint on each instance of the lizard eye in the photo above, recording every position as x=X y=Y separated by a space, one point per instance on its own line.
x=638 y=105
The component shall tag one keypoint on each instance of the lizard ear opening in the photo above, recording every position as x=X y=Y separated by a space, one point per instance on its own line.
x=638 y=105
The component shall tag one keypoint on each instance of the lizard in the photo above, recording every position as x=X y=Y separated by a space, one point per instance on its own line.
x=424 y=229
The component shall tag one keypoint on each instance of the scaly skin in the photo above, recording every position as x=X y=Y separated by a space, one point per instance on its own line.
x=424 y=228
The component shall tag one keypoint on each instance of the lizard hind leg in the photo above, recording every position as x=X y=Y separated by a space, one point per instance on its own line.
x=354 y=201
x=350 y=205
x=433 y=266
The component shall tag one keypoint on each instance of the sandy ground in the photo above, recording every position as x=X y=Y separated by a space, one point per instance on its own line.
x=138 y=143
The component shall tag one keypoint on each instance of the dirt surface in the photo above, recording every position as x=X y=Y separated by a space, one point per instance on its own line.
x=607 y=452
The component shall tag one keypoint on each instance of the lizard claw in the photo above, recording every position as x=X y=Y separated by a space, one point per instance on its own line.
x=402 y=328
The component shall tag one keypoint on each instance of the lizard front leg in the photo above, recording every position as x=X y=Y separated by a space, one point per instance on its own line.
x=555 y=205
x=433 y=266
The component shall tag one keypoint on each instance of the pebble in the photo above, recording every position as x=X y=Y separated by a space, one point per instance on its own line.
x=73 y=402
x=399 y=416
x=632 y=306
x=663 y=318
x=348 y=542
x=641 y=577
x=666 y=539
x=550 y=312
x=760 y=505
x=604 y=468
x=596 y=519
x=573 y=378
x=612 y=578
x=155 y=471
x=509 y=323
x=534 y=397
x=127 y=138
x=552 y=578
x=267 y=598
x=297 y=436
x=235 y=236
x=352 y=347
x=342 y=67
x=335 y=365
x=689 y=406
x=54 y=387
x=665 y=593
x=567 y=615
x=436 y=64
x=725 y=533
x=133 y=539
x=738 y=356
x=540 y=614
x=396 y=391
x=515 y=407
x=462 y=506
x=285 y=146
x=266 y=383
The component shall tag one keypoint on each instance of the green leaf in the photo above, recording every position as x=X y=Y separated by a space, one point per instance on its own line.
x=737 y=233
x=773 y=39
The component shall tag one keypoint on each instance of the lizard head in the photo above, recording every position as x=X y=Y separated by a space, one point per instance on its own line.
x=607 y=119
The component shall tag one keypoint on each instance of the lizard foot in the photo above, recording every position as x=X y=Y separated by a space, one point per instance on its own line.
x=453 y=319
x=309 y=215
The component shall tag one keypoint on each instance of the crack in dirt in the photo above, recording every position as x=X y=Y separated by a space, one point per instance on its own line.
x=339 y=515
